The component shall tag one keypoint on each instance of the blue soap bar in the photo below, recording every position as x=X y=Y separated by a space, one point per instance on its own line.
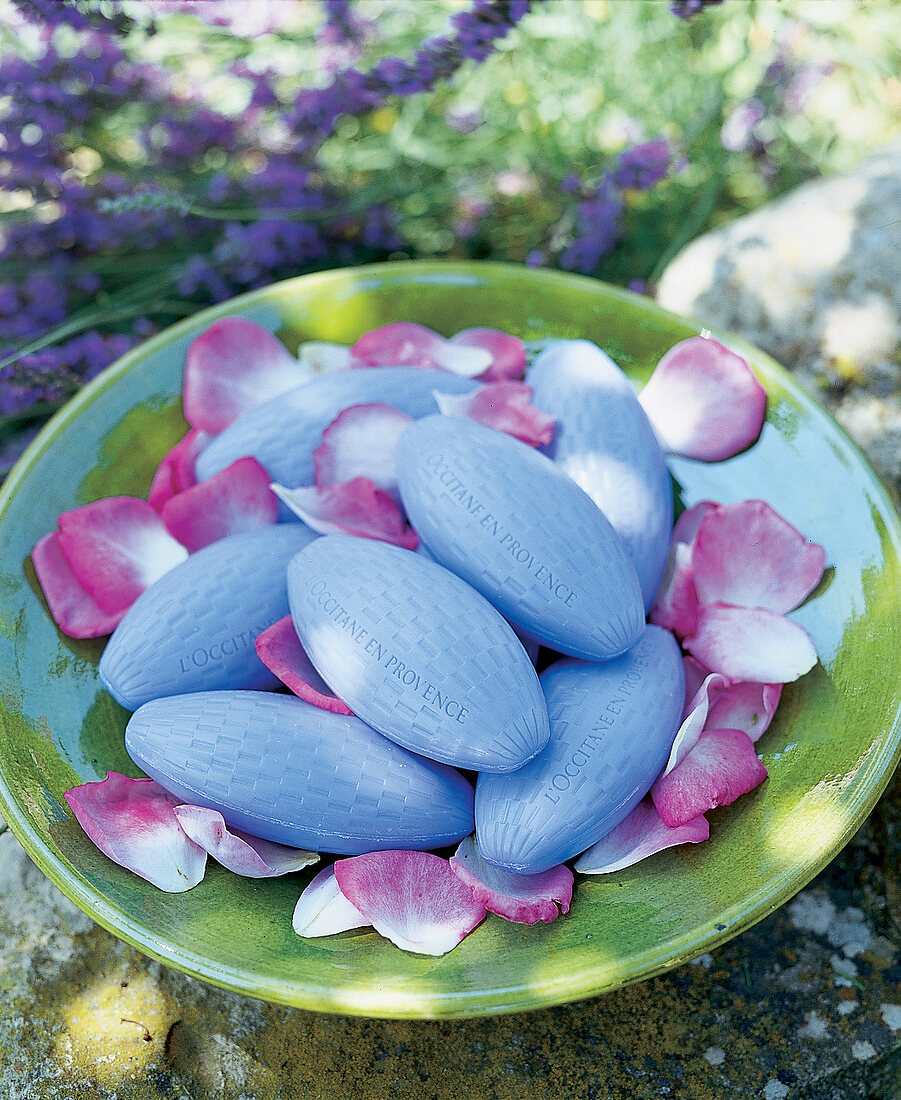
x=194 y=628
x=289 y=772
x=417 y=653
x=510 y=522
x=605 y=442
x=283 y=433
x=612 y=727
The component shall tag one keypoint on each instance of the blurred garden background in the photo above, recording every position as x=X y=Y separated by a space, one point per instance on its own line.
x=160 y=155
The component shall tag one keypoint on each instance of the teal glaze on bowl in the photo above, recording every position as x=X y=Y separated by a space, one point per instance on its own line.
x=830 y=752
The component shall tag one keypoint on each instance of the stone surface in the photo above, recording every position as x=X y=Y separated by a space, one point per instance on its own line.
x=804 y=1006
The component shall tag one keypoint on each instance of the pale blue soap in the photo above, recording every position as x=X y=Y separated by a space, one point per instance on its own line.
x=417 y=653
x=289 y=772
x=194 y=628
x=283 y=433
x=605 y=442
x=510 y=522
x=612 y=727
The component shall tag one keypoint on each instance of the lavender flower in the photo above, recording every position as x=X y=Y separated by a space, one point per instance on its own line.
x=685 y=9
x=643 y=165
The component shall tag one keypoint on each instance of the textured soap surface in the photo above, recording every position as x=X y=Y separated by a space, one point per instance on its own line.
x=604 y=441
x=612 y=727
x=287 y=771
x=194 y=628
x=417 y=653
x=283 y=433
x=510 y=522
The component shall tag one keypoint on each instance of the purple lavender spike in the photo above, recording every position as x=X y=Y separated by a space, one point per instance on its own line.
x=287 y=771
x=604 y=441
x=194 y=628
x=283 y=433
x=507 y=520
x=417 y=653
x=612 y=726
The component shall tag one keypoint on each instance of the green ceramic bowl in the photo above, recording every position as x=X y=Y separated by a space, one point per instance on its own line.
x=830 y=751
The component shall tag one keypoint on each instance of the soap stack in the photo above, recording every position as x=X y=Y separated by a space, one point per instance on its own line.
x=565 y=548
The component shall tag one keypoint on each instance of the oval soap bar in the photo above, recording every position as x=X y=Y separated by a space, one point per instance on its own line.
x=604 y=441
x=194 y=628
x=612 y=727
x=289 y=772
x=510 y=522
x=417 y=653
x=283 y=433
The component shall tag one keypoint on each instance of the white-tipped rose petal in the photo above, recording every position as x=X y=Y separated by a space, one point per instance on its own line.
x=695 y=675
x=704 y=400
x=246 y=855
x=504 y=406
x=694 y=720
x=360 y=442
x=675 y=606
x=236 y=499
x=402 y=344
x=117 y=547
x=354 y=507
x=176 y=471
x=280 y=650
x=721 y=767
x=320 y=357
x=638 y=836
x=468 y=362
x=133 y=822
x=752 y=644
x=230 y=368
x=525 y=899
x=413 y=899
x=747 y=555
x=74 y=611
x=322 y=910
x=746 y=707
x=508 y=353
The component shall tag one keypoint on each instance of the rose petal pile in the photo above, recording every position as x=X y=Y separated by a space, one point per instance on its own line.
x=735 y=572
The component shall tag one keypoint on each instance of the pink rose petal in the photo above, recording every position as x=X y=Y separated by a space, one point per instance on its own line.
x=720 y=768
x=237 y=851
x=402 y=344
x=704 y=400
x=236 y=499
x=747 y=555
x=504 y=406
x=694 y=720
x=360 y=442
x=232 y=367
x=751 y=644
x=405 y=344
x=686 y=526
x=695 y=675
x=320 y=357
x=412 y=898
x=638 y=836
x=281 y=652
x=354 y=507
x=117 y=547
x=525 y=899
x=74 y=611
x=176 y=471
x=508 y=353
x=746 y=707
x=675 y=606
x=133 y=822
x=322 y=910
